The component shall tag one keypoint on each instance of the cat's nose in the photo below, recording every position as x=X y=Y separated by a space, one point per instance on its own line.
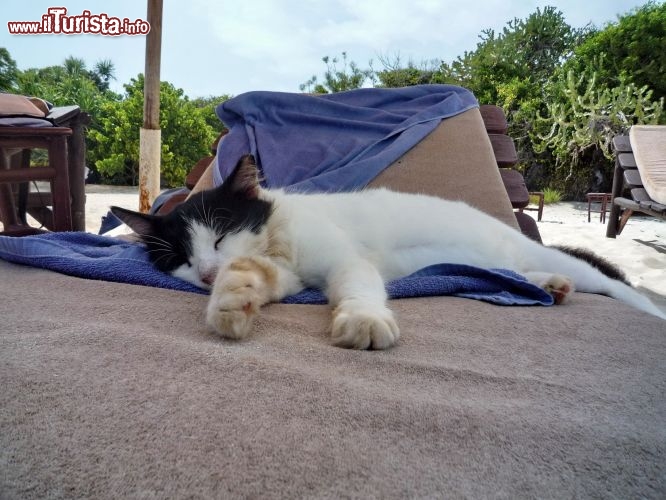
x=208 y=275
x=208 y=279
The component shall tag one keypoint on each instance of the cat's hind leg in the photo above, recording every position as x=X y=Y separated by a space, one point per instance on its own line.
x=560 y=287
x=586 y=277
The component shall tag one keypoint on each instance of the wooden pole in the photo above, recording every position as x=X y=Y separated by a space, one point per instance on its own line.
x=150 y=135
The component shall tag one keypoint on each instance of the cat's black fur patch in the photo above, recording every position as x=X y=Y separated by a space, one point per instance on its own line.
x=603 y=265
x=229 y=208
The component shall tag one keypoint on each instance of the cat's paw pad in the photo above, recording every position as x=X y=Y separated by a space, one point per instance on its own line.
x=359 y=328
x=232 y=324
x=559 y=287
x=233 y=304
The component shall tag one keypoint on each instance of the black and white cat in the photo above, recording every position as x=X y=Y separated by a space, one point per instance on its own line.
x=251 y=246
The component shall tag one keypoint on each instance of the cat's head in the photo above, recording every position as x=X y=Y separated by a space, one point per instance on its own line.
x=199 y=235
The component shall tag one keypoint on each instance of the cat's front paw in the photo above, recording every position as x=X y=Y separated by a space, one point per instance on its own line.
x=234 y=302
x=364 y=327
x=232 y=324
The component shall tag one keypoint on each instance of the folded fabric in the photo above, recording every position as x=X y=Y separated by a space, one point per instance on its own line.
x=331 y=142
x=498 y=286
x=98 y=257
x=91 y=256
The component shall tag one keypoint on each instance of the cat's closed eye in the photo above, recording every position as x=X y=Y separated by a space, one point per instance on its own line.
x=217 y=242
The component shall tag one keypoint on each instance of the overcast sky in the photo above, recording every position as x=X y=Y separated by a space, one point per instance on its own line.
x=229 y=47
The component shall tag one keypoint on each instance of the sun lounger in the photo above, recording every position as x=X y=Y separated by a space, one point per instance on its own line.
x=112 y=390
x=639 y=181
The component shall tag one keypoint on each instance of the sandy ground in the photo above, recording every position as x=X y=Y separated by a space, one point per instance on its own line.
x=640 y=251
x=99 y=198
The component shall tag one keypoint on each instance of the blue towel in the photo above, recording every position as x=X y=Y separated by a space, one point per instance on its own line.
x=98 y=257
x=87 y=255
x=333 y=142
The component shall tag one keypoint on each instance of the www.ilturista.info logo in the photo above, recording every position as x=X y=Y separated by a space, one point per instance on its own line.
x=57 y=22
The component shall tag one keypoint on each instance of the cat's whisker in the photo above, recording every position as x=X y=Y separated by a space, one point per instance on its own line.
x=221 y=217
x=153 y=240
x=158 y=259
x=201 y=211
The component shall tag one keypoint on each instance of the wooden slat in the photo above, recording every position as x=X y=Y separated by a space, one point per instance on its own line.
x=626 y=203
x=632 y=178
x=640 y=195
x=626 y=160
x=494 y=119
x=621 y=143
x=504 y=149
x=28 y=174
x=658 y=207
x=62 y=114
x=653 y=206
x=514 y=183
x=31 y=132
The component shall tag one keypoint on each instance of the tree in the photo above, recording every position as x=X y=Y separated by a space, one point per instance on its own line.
x=207 y=105
x=68 y=84
x=186 y=136
x=102 y=74
x=349 y=77
x=514 y=65
x=395 y=74
x=631 y=50
x=610 y=82
x=8 y=71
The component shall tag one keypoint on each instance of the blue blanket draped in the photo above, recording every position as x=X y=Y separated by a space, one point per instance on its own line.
x=332 y=142
x=91 y=256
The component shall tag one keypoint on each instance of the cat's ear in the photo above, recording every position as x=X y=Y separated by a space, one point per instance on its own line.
x=141 y=224
x=244 y=179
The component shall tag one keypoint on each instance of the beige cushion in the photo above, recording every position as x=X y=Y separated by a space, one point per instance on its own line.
x=456 y=162
x=18 y=105
x=648 y=143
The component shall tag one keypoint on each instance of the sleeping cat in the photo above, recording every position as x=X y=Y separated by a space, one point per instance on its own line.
x=251 y=246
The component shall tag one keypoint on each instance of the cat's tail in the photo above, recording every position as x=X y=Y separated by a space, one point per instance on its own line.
x=593 y=274
x=603 y=265
x=629 y=295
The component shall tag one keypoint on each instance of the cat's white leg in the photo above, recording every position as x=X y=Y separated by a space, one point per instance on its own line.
x=239 y=291
x=361 y=319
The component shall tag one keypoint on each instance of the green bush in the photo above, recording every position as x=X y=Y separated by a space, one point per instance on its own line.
x=633 y=49
x=186 y=136
x=551 y=196
x=579 y=127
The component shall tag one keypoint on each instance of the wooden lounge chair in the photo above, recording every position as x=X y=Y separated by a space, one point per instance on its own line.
x=647 y=147
x=25 y=126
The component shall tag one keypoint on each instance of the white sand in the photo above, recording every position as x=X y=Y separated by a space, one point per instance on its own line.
x=99 y=198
